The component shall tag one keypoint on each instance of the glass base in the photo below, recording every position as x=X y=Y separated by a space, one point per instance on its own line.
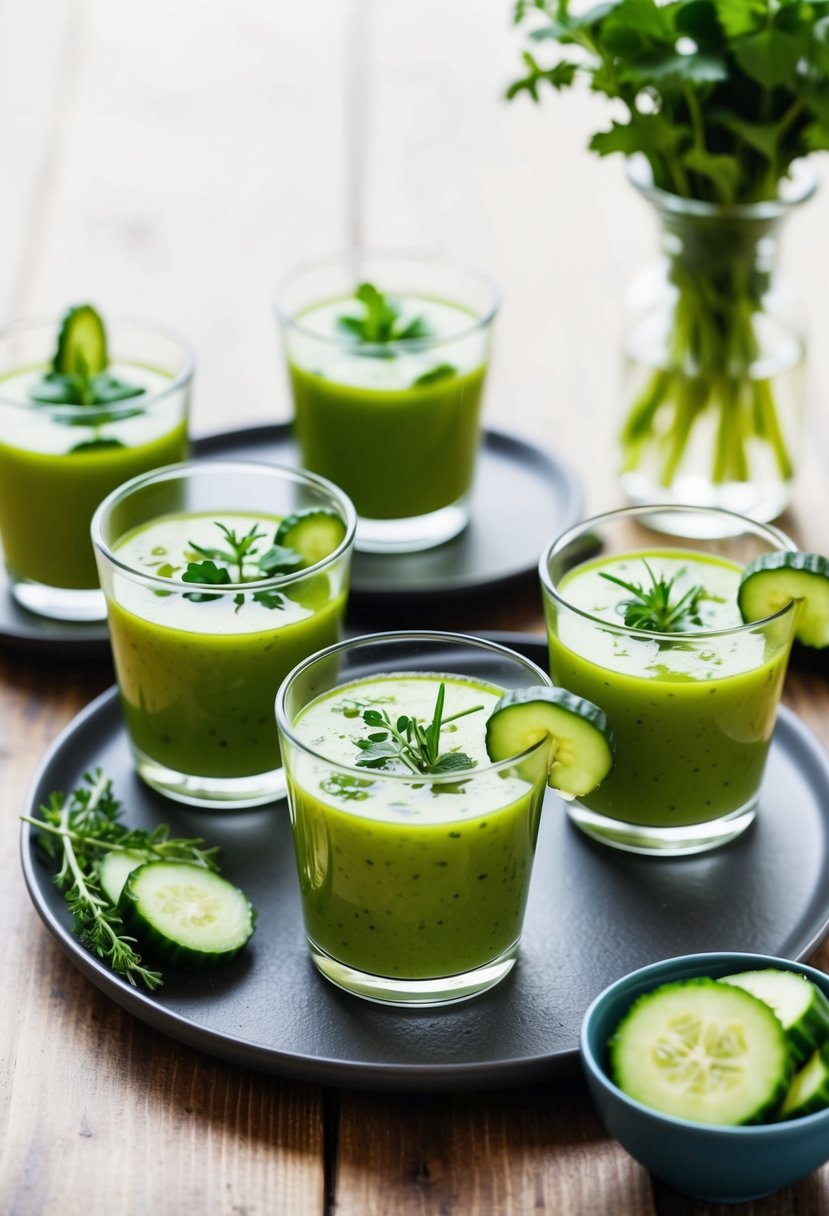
x=760 y=501
x=421 y=993
x=211 y=793
x=59 y=603
x=668 y=841
x=413 y=533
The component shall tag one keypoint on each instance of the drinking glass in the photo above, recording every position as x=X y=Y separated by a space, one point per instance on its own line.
x=198 y=663
x=693 y=712
x=413 y=885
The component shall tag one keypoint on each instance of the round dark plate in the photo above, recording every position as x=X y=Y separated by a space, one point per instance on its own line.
x=593 y=915
x=522 y=497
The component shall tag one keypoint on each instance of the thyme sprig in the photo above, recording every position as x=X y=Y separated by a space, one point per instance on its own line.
x=75 y=832
x=408 y=741
x=653 y=608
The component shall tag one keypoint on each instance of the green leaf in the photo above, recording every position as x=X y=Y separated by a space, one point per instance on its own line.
x=723 y=171
x=102 y=443
x=770 y=57
x=107 y=388
x=697 y=19
x=57 y=388
x=206 y=572
x=739 y=17
x=646 y=133
x=279 y=559
x=443 y=371
x=453 y=762
x=643 y=20
x=666 y=67
x=763 y=137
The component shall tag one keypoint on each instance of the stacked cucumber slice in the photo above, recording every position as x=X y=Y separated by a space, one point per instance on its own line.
x=752 y=1047
x=773 y=580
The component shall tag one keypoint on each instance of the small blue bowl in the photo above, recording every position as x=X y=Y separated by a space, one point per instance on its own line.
x=714 y=1163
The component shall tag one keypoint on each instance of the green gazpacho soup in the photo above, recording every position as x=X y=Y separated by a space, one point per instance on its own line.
x=693 y=713
x=410 y=878
x=55 y=468
x=198 y=673
x=396 y=428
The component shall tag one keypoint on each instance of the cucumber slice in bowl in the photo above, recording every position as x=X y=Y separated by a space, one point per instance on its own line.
x=82 y=343
x=186 y=914
x=809 y=1090
x=580 y=744
x=773 y=580
x=701 y=1050
x=311 y=534
x=801 y=1008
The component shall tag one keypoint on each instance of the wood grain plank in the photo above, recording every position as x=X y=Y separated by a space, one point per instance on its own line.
x=531 y=1150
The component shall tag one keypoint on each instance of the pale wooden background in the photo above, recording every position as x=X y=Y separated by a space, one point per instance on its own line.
x=170 y=159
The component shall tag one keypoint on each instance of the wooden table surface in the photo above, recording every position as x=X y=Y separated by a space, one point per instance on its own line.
x=170 y=160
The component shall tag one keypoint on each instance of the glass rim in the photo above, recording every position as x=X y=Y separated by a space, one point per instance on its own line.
x=784 y=541
x=427 y=635
x=150 y=396
x=795 y=189
x=256 y=468
x=292 y=323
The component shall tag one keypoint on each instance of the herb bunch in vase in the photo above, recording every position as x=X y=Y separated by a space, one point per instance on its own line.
x=720 y=105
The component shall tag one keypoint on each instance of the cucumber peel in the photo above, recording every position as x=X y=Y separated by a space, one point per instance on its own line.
x=82 y=343
x=312 y=534
x=580 y=741
x=772 y=580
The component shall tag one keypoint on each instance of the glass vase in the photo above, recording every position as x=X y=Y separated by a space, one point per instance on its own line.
x=714 y=358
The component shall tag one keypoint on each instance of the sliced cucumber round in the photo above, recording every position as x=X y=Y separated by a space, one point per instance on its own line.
x=704 y=1051
x=311 y=534
x=185 y=913
x=773 y=580
x=809 y=1090
x=581 y=742
x=115 y=867
x=82 y=343
x=801 y=1008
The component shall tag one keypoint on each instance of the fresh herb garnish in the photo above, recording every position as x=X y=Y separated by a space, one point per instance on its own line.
x=652 y=609
x=75 y=833
x=411 y=743
x=78 y=374
x=381 y=321
x=248 y=564
x=443 y=371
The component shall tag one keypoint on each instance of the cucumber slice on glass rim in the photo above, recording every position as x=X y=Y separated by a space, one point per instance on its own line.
x=580 y=740
x=772 y=580
x=82 y=343
x=311 y=534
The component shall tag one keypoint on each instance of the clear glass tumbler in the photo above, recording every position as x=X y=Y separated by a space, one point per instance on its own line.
x=58 y=461
x=413 y=884
x=387 y=355
x=693 y=711
x=199 y=656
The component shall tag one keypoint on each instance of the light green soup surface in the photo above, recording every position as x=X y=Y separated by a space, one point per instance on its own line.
x=693 y=714
x=409 y=878
x=198 y=679
x=398 y=448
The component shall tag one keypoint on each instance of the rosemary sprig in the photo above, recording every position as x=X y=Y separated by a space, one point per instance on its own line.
x=408 y=741
x=653 y=609
x=75 y=833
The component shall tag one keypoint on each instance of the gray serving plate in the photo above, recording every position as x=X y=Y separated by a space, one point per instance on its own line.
x=523 y=496
x=594 y=914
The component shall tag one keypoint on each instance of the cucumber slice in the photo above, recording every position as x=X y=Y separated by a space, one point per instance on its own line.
x=771 y=581
x=311 y=534
x=801 y=1008
x=185 y=913
x=581 y=742
x=809 y=1090
x=704 y=1051
x=114 y=868
x=82 y=343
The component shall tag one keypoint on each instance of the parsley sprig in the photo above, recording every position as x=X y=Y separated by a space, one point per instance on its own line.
x=407 y=741
x=381 y=321
x=240 y=555
x=75 y=833
x=652 y=608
